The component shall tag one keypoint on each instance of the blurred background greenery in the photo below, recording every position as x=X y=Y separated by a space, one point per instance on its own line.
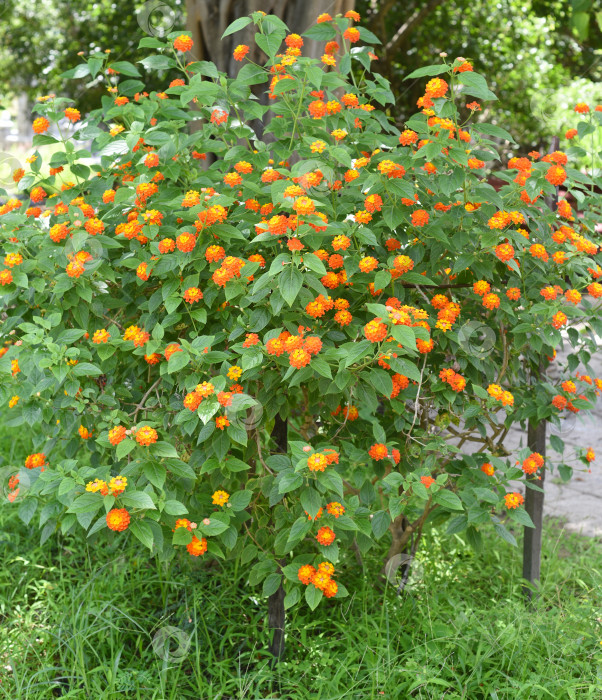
x=540 y=56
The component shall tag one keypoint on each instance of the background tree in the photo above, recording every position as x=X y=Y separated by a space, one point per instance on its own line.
x=529 y=50
x=208 y=19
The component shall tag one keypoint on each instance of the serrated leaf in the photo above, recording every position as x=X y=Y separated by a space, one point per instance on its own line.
x=313 y=596
x=240 y=500
x=311 y=501
x=86 y=503
x=173 y=507
x=163 y=449
x=124 y=448
x=290 y=281
x=142 y=531
x=448 y=500
x=271 y=584
x=137 y=499
x=155 y=473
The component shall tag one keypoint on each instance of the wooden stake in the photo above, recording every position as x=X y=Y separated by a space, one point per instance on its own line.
x=276 y=612
x=534 y=507
x=536 y=438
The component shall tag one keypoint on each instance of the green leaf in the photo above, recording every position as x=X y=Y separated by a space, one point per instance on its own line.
x=269 y=43
x=405 y=367
x=405 y=336
x=520 y=515
x=86 y=369
x=289 y=482
x=321 y=32
x=294 y=595
x=126 y=68
x=299 y=529
x=237 y=25
x=557 y=443
x=158 y=62
x=215 y=527
x=313 y=596
x=233 y=464
x=342 y=155
x=80 y=71
x=427 y=70
x=380 y=523
x=163 y=449
x=27 y=510
x=155 y=473
x=150 y=42
x=240 y=500
x=137 y=499
x=367 y=36
x=290 y=281
x=142 y=531
x=173 y=507
x=311 y=501
x=492 y=130
x=476 y=85
x=251 y=74
x=271 y=584
x=380 y=380
x=178 y=361
x=448 y=500
x=182 y=536
x=124 y=448
x=86 y=503
x=504 y=534
x=486 y=495
x=321 y=366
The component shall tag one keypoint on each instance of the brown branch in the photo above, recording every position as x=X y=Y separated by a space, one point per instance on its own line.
x=112 y=320
x=140 y=406
x=506 y=359
x=260 y=453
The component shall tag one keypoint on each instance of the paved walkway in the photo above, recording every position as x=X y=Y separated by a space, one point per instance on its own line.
x=579 y=501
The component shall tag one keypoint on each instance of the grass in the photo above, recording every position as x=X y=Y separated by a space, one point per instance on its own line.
x=102 y=621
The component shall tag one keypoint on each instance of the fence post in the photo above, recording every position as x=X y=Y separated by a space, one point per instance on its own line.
x=536 y=439
x=276 y=612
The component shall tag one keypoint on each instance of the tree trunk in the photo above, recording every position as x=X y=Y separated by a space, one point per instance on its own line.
x=207 y=20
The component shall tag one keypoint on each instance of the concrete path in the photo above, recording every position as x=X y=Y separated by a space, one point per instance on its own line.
x=579 y=501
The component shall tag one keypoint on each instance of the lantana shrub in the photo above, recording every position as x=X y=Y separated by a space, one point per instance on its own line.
x=267 y=324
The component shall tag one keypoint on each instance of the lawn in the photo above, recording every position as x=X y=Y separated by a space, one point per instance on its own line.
x=81 y=620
